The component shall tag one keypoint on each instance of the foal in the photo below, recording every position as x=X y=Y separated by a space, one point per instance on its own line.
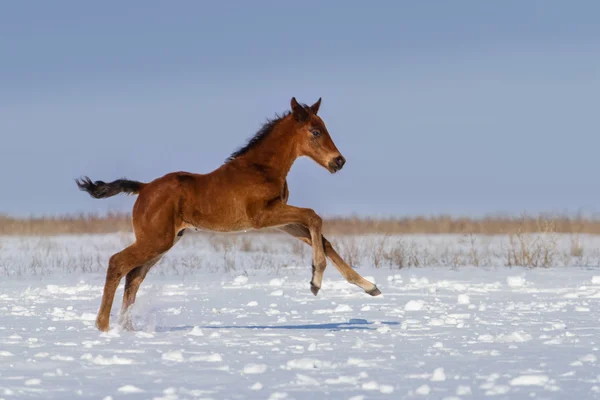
x=249 y=191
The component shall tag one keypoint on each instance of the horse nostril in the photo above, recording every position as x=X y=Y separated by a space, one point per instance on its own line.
x=340 y=161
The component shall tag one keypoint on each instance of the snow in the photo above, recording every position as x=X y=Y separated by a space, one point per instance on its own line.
x=423 y=390
x=130 y=389
x=515 y=281
x=437 y=332
x=414 y=305
x=255 y=369
x=438 y=375
x=530 y=380
x=463 y=299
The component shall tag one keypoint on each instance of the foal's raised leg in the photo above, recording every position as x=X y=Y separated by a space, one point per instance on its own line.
x=302 y=233
x=119 y=265
x=283 y=214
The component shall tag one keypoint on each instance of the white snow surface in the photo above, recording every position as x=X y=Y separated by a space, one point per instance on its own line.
x=513 y=333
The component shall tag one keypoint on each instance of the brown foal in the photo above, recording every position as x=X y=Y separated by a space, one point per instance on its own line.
x=249 y=191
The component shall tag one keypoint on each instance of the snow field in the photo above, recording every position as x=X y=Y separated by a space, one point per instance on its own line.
x=435 y=332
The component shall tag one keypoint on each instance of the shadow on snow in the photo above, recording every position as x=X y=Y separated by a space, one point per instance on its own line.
x=353 y=324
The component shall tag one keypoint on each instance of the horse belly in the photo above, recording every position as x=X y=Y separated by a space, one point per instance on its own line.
x=219 y=216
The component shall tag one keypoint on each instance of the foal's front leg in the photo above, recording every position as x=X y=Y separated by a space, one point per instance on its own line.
x=300 y=232
x=283 y=214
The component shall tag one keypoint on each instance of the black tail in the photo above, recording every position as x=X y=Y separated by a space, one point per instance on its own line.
x=102 y=190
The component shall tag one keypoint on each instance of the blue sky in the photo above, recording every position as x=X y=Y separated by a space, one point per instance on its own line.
x=461 y=108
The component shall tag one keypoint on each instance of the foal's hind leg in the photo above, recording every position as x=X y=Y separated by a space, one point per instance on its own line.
x=119 y=265
x=133 y=280
x=302 y=233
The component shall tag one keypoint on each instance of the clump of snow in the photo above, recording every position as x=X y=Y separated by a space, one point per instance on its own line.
x=530 y=380
x=196 y=331
x=101 y=360
x=515 y=281
x=253 y=369
x=463 y=390
x=240 y=280
x=278 y=396
x=86 y=316
x=175 y=356
x=371 y=385
x=386 y=389
x=130 y=389
x=304 y=364
x=423 y=390
x=343 y=308
x=414 y=305
x=305 y=380
x=514 y=337
x=384 y=329
x=497 y=390
x=438 y=375
x=213 y=357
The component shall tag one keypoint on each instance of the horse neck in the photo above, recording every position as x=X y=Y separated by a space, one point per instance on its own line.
x=277 y=151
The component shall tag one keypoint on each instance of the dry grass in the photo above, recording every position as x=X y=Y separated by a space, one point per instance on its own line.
x=65 y=225
x=115 y=222
x=529 y=250
x=241 y=253
x=493 y=225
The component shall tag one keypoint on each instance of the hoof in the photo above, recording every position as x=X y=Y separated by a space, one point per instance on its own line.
x=374 y=291
x=125 y=321
x=314 y=289
x=102 y=327
x=128 y=326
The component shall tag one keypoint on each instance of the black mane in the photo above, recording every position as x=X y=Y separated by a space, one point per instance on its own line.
x=258 y=137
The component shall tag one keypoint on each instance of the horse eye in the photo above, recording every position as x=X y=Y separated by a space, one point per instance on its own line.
x=316 y=133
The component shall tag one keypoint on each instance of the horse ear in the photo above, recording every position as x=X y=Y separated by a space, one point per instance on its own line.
x=299 y=112
x=315 y=107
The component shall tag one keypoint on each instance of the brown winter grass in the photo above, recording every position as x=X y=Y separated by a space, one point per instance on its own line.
x=65 y=225
x=500 y=225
